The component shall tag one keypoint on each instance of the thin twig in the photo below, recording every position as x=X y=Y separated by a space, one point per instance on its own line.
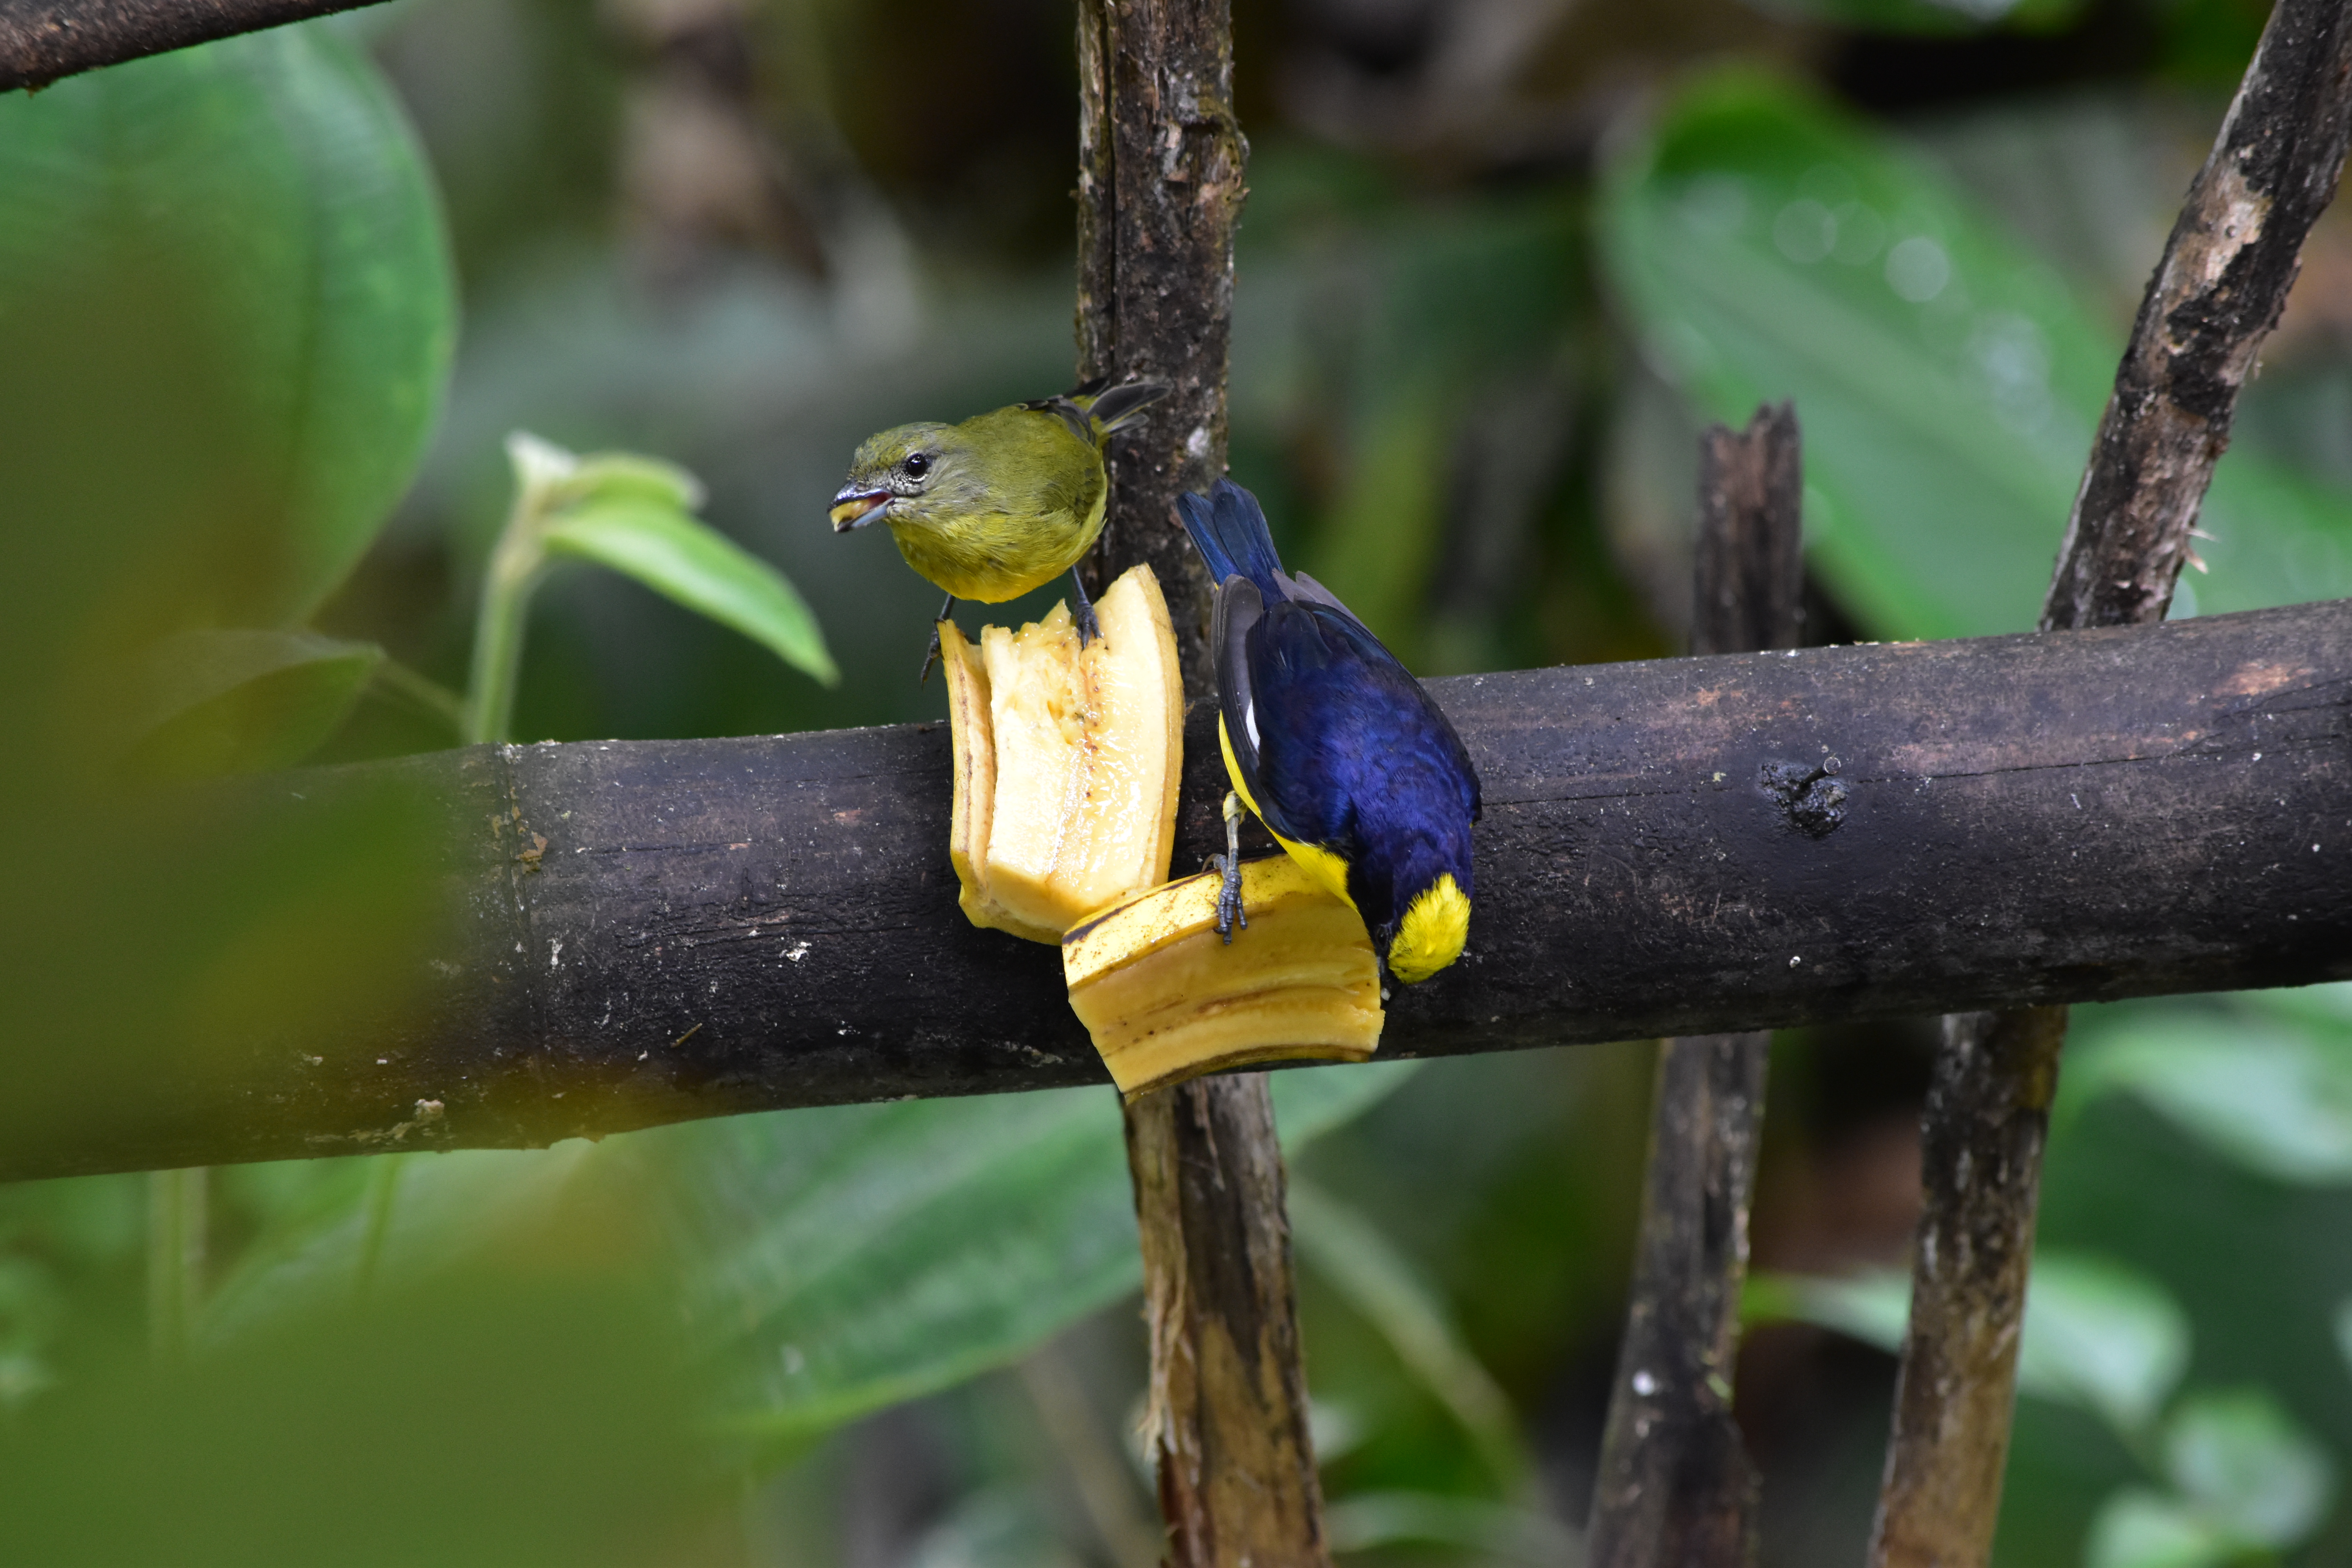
x=42 y=41
x=2233 y=254
x=1675 y=1487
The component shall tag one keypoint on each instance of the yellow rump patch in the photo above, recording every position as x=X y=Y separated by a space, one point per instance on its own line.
x=1431 y=934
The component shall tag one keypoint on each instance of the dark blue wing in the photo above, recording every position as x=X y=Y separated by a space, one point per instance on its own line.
x=1340 y=725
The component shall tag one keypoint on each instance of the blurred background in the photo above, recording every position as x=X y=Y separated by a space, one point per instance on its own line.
x=274 y=307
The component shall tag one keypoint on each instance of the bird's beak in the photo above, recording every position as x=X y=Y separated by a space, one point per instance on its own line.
x=855 y=508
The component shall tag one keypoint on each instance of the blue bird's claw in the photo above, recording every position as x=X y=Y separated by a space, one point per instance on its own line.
x=1229 y=912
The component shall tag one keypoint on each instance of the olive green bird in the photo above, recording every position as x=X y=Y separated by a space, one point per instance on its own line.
x=1002 y=503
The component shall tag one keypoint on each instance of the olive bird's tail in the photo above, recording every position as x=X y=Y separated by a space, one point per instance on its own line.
x=1229 y=529
x=1122 y=406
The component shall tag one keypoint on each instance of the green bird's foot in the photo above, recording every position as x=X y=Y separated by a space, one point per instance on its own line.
x=932 y=656
x=1228 y=865
x=1083 y=616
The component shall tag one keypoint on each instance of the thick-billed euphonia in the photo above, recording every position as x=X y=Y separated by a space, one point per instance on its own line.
x=1334 y=745
x=1001 y=503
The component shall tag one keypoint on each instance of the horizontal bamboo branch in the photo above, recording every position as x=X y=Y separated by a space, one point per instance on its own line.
x=42 y=41
x=638 y=932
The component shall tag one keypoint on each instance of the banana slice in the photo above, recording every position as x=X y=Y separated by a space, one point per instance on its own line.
x=1067 y=760
x=1166 y=999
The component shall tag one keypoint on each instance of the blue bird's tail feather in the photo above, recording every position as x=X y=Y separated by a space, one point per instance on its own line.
x=1229 y=529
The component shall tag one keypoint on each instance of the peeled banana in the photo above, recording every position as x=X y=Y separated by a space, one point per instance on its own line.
x=1167 y=999
x=1066 y=766
x=1067 y=760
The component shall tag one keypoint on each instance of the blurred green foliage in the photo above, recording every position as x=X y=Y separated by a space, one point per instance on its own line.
x=231 y=262
x=1948 y=379
x=253 y=511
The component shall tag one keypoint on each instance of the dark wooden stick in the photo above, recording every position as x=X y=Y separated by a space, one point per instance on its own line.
x=2223 y=280
x=1159 y=190
x=1986 y=1118
x=1161 y=161
x=1227 y=1412
x=577 y=940
x=1675 y=1488
x=1749 y=570
x=42 y=41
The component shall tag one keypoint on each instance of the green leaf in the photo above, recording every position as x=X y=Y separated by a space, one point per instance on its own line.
x=632 y=529
x=234 y=701
x=855 y=1258
x=1947 y=379
x=2273 y=1094
x=1934 y=18
x=2103 y=1337
x=1367 y=1522
x=2097 y=1335
x=2137 y=1528
x=1310 y=1101
x=2247 y=1468
x=1874 y=1307
x=229 y=310
x=394 y=1220
x=833 y=1261
x=1349 y=1252
x=850 y=1258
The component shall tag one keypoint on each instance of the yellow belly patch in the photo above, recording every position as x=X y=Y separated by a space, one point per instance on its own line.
x=989 y=557
x=1330 y=872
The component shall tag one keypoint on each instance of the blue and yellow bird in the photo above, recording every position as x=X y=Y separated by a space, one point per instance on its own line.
x=1335 y=746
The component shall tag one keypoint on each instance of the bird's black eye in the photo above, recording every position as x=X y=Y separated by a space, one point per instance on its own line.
x=917 y=465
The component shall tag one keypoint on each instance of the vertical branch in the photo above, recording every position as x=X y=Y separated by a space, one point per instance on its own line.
x=1097 y=326
x=2215 y=295
x=1674 y=1486
x=1988 y=1116
x=1748 y=572
x=1159 y=187
x=1227 y=1417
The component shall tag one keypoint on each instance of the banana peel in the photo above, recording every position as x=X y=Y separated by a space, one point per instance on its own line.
x=1067 y=760
x=1167 y=999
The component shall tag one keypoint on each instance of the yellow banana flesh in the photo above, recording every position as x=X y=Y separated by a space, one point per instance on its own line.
x=1167 y=999
x=1067 y=760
